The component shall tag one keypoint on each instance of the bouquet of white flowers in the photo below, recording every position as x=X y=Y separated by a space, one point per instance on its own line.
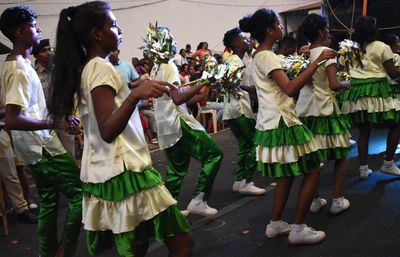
x=160 y=43
x=351 y=54
x=293 y=65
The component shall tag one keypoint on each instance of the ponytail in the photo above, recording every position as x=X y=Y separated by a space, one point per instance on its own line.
x=365 y=31
x=69 y=59
x=72 y=44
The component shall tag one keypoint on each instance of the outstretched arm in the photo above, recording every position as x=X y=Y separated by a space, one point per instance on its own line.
x=179 y=96
x=15 y=120
x=112 y=122
x=291 y=87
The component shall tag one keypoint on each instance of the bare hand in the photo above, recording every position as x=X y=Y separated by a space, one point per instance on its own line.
x=150 y=88
x=326 y=54
x=345 y=85
x=304 y=49
x=72 y=125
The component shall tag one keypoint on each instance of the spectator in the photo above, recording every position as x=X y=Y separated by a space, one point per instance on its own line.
x=202 y=52
x=180 y=59
x=126 y=69
x=184 y=73
x=43 y=54
x=138 y=67
x=35 y=144
x=188 y=51
x=147 y=60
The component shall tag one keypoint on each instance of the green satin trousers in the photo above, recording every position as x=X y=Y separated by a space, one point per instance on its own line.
x=54 y=175
x=199 y=145
x=243 y=129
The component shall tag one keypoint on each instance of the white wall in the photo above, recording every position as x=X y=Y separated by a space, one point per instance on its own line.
x=191 y=21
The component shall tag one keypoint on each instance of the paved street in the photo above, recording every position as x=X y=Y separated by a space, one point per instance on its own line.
x=370 y=228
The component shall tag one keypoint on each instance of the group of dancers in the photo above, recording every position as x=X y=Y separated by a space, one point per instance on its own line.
x=117 y=194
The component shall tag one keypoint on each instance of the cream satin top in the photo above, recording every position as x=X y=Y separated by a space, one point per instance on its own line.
x=167 y=114
x=317 y=99
x=274 y=104
x=233 y=107
x=21 y=86
x=396 y=61
x=102 y=161
x=376 y=54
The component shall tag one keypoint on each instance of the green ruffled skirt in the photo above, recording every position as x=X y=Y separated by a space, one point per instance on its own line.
x=369 y=101
x=167 y=223
x=332 y=134
x=286 y=151
x=395 y=88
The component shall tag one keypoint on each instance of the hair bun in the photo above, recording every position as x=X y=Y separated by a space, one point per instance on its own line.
x=245 y=24
x=71 y=11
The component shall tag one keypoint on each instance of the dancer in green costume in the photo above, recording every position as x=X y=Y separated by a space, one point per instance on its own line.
x=35 y=142
x=319 y=111
x=285 y=147
x=124 y=199
x=238 y=113
x=183 y=137
x=370 y=99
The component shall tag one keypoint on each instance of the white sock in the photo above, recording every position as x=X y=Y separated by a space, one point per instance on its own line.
x=276 y=222
x=298 y=227
x=336 y=200
x=364 y=167
x=388 y=163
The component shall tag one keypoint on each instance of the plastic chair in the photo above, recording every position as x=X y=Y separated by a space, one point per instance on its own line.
x=3 y=209
x=202 y=113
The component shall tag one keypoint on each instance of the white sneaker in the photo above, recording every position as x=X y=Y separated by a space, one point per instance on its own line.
x=390 y=169
x=251 y=189
x=237 y=184
x=276 y=228
x=185 y=213
x=302 y=234
x=339 y=205
x=198 y=206
x=352 y=142
x=317 y=204
x=33 y=206
x=365 y=172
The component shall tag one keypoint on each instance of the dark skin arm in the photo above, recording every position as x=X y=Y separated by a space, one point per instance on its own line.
x=291 y=87
x=198 y=97
x=15 y=120
x=182 y=97
x=334 y=85
x=112 y=122
x=391 y=70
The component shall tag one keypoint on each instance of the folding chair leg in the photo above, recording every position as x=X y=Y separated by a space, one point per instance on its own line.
x=214 y=117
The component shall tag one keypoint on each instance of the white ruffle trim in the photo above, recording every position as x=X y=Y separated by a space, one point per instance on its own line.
x=397 y=101
x=333 y=141
x=125 y=215
x=286 y=153
x=370 y=104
